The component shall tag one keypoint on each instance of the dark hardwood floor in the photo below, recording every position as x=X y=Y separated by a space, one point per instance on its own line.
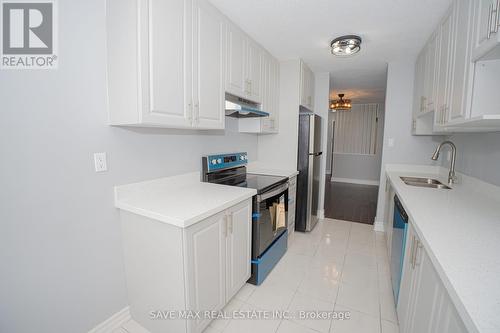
x=351 y=202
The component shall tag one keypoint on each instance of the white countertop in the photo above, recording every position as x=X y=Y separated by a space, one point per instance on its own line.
x=460 y=230
x=179 y=200
x=257 y=168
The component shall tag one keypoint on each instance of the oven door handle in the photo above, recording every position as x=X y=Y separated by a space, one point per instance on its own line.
x=275 y=191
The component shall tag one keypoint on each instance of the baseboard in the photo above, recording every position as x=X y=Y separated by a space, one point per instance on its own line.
x=355 y=181
x=115 y=322
x=378 y=226
x=321 y=214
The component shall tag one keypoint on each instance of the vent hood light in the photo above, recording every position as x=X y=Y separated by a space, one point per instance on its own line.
x=237 y=107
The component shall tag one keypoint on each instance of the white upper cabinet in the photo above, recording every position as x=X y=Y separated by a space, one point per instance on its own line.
x=452 y=92
x=269 y=87
x=165 y=63
x=487 y=24
x=430 y=73
x=166 y=59
x=208 y=65
x=254 y=73
x=462 y=67
x=306 y=86
x=236 y=61
x=444 y=74
x=244 y=61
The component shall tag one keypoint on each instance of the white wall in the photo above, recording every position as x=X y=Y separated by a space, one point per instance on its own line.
x=407 y=149
x=361 y=167
x=279 y=151
x=478 y=155
x=331 y=117
x=321 y=108
x=60 y=251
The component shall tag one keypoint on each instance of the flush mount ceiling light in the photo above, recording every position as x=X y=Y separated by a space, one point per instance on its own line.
x=346 y=45
x=340 y=104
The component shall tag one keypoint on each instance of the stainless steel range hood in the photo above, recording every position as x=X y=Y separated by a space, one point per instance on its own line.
x=237 y=107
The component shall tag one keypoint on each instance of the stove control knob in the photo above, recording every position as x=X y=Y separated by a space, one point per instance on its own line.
x=219 y=160
x=214 y=161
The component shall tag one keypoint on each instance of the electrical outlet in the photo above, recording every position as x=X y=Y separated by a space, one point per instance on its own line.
x=390 y=142
x=100 y=162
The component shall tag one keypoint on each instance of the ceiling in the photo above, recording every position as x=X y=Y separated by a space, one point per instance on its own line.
x=291 y=29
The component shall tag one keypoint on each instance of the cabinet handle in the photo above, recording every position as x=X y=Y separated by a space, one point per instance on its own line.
x=417 y=251
x=230 y=223
x=247 y=86
x=490 y=14
x=224 y=227
x=190 y=108
x=422 y=103
x=412 y=246
x=413 y=250
x=197 y=113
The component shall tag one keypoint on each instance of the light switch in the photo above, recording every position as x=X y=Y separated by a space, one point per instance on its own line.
x=100 y=162
x=390 y=142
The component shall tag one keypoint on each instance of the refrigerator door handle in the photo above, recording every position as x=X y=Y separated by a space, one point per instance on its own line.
x=316 y=154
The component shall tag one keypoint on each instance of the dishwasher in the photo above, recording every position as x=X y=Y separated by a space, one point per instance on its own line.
x=399 y=231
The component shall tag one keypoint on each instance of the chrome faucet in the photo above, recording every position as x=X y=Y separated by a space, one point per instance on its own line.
x=451 y=175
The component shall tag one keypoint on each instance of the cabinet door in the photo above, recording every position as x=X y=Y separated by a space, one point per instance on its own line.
x=404 y=303
x=418 y=103
x=430 y=73
x=462 y=65
x=275 y=93
x=236 y=61
x=239 y=239
x=303 y=84
x=484 y=21
x=449 y=321
x=254 y=56
x=310 y=97
x=208 y=66
x=444 y=61
x=426 y=293
x=205 y=248
x=164 y=36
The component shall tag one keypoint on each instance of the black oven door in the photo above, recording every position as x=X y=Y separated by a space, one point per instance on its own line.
x=263 y=231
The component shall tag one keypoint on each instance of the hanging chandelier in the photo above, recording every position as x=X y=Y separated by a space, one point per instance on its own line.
x=340 y=104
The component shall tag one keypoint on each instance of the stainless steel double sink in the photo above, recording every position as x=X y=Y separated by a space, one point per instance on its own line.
x=424 y=182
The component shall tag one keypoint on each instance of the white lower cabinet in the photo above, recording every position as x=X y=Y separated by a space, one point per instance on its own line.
x=424 y=304
x=238 y=248
x=198 y=268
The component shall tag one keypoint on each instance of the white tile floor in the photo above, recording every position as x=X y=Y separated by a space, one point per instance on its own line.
x=339 y=266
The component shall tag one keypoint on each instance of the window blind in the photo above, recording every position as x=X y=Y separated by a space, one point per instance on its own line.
x=356 y=130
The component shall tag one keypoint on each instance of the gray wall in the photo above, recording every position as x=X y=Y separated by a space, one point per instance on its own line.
x=60 y=251
x=478 y=155
x=407 y=149
x=361 y=167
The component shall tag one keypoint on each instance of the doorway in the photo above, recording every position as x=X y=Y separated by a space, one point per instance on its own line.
x=354 y=160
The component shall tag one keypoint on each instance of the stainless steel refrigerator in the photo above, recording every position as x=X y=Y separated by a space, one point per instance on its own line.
x=308 y=165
